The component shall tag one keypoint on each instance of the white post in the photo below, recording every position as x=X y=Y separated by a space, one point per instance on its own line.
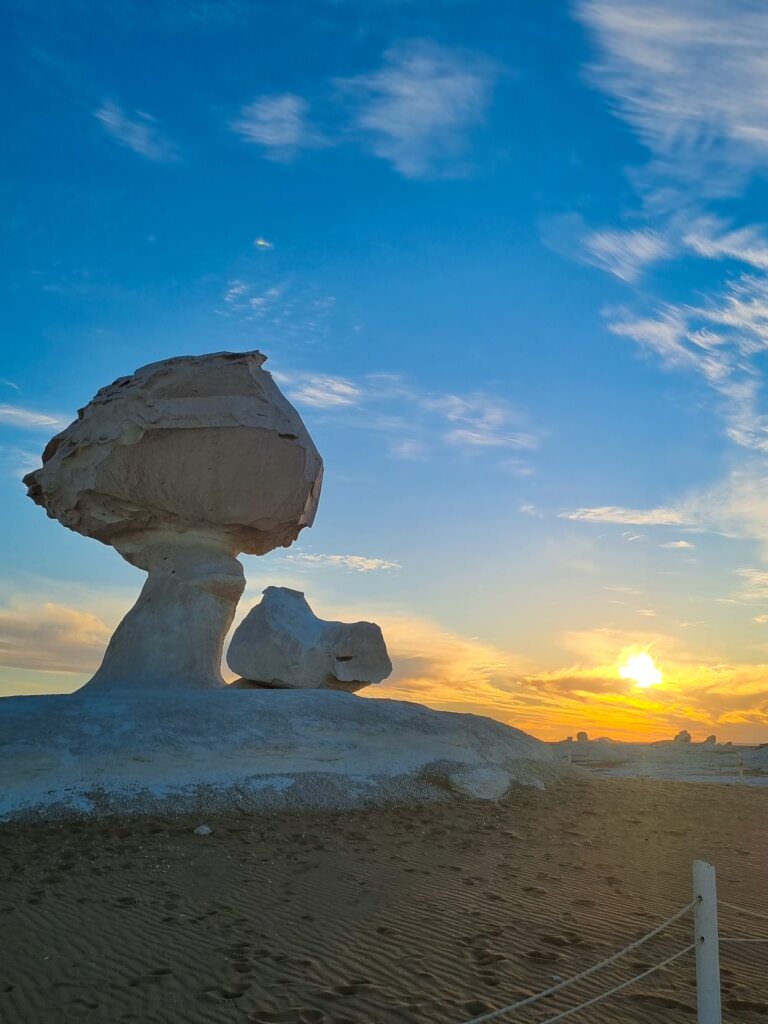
x=706 y=939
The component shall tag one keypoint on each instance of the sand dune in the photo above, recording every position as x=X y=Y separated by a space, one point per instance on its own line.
x=387 y=916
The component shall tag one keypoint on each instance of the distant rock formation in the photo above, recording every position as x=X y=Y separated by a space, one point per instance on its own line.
x=682 y=737
x=710 y=741
x=281 y=643
x=582 y=737
x=180 y=467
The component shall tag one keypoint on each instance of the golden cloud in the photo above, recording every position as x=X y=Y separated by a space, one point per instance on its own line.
x=52 y=638
x=451 y=672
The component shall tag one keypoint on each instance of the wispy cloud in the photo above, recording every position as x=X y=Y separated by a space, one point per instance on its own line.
x=690 y=78
x=714 y=238
x=677 y=545
x=736 y=507
x=470 y=422
x=19 y=461
x=722 y=340
x=279 y=124
x=323 y=391
x=281 y=306
x=417 y=110
x=627 y=516
x=30 y=419
x=625 y=254
x=140 y=132
x=357 y=563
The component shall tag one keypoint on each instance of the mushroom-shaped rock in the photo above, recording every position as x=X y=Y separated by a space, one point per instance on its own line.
x=281 y=643
x=180 y=467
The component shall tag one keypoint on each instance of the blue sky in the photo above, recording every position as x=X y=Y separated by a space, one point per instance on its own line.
x=508 y=260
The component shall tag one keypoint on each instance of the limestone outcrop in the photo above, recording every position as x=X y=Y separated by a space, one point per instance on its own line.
x=180 y=467
x=281 y=643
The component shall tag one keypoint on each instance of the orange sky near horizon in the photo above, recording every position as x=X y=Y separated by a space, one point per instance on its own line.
x=53 y=647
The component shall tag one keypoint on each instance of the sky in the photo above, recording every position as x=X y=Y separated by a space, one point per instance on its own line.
x=508 y=260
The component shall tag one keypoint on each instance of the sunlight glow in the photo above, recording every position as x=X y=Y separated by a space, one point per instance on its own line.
x=642 y=670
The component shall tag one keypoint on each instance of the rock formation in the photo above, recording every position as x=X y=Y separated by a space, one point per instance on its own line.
x=682 y=737
x=180 y=467
x=281 y=643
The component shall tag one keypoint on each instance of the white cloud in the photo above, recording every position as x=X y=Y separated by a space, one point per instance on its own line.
x=713 y=239
x=414 y=420
x=279 y=124
x=625 y=254
x=736 y=507
x=419 y=107
x=357 y=563
x=754 y=585
x=140 y=133
x=19 y=461
x=323 y=391
x=627 y=516
x=481 y=421
x=723 y=341
x=30 y=419
x=677 y=545
x=409 y=449
x=690 y=77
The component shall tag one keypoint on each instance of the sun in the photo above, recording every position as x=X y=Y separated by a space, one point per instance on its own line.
x=642 y=670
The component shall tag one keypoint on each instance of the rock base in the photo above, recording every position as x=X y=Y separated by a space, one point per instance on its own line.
x=86 y=754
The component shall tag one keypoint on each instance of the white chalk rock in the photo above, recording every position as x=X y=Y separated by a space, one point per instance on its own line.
x=180 y=467
x=281 y=643
x=214 y=750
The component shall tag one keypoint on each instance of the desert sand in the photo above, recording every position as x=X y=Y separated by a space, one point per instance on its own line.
x=427 y=913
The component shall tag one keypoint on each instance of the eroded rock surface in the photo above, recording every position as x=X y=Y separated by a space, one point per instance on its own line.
x=180 y=467
x=281 y=643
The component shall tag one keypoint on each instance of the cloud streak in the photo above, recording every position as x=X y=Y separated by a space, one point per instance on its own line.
x=417 y=109
x=471 y=422
x=356 y=563
x=141 y=133
x=30 y=419
x=279 y=124
x=690 y=78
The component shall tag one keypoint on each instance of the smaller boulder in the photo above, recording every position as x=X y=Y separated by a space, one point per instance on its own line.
x=582 y=737
x=710 y=741
x=282 y=644
x=683 y=737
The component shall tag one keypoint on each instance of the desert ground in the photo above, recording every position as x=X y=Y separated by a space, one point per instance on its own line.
x=430 y=913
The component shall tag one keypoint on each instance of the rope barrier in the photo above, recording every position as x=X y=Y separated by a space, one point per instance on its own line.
x=504 y=1010
x=743 y=910
x=618 y=988
x=739 y=938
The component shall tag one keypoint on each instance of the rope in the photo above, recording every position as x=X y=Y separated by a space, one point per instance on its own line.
x=618 y=988
x=740 y=939
x=742 y=910
x=504 y=1010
